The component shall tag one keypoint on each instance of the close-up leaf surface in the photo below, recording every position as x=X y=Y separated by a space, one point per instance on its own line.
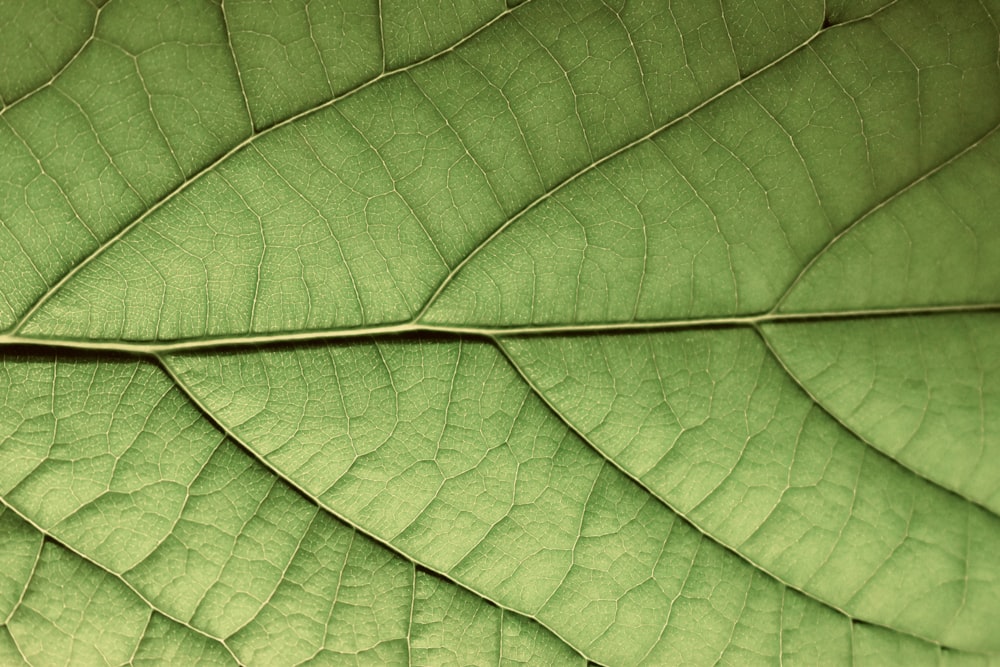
x=552 y=332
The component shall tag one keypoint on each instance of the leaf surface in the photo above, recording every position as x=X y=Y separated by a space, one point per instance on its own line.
x=471 y=333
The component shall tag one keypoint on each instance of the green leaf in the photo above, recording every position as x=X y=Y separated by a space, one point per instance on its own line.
x=541 y=332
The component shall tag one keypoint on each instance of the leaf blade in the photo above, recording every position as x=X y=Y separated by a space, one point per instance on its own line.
x=511 y=188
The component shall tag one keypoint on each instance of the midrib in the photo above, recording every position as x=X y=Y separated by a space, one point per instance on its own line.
x=415 y=328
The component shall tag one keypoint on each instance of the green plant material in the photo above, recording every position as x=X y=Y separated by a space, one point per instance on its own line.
x=546 y=332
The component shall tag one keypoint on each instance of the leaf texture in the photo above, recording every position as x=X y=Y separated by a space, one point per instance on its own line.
x=541 y=332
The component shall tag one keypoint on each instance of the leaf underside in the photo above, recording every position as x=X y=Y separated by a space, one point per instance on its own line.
x=543 y=332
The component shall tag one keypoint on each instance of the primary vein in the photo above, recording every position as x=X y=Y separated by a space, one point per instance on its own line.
x=414 y=328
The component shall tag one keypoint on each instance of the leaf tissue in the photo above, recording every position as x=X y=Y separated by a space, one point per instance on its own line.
x=473 y=332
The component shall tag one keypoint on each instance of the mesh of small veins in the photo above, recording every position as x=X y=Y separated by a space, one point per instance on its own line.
x=216 y=543
x=620 y=170
x=468 y=128
x=219 y=547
